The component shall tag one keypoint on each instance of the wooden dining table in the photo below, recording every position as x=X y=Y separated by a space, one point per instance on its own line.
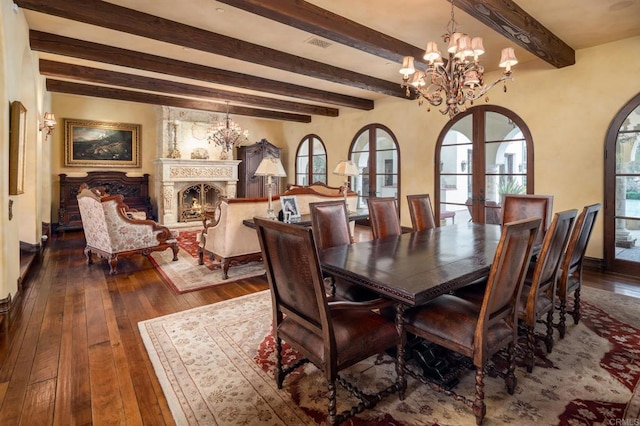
x=416 y=267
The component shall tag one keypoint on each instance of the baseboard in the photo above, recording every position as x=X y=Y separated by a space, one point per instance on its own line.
x=593 y=264
x=29 y=248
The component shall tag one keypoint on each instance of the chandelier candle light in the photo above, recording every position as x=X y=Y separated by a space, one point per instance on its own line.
x=228 y=134
x=269 y=167
x=346 y=168
x=458 y=80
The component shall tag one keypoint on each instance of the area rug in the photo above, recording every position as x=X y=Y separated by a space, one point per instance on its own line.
x=186 y=275
x=215 y=364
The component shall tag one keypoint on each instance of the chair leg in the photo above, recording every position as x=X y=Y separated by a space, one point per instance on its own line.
x=175 y=249
x=225 y=268
x=510 y=378
x=88 y=254
x=479 y=407
x=548 y=341
x=529 y=357
x=332 y=402
x=562 y=326
x=113 y=263
x=279 y=373
x=576 y=306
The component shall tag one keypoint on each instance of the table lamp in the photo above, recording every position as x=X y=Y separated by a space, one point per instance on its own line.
x=269 y=167
x=346 y=168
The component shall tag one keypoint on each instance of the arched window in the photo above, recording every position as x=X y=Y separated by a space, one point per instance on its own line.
x=622 y=191
x=311 y=151
x=375 y=151
x=481 y=154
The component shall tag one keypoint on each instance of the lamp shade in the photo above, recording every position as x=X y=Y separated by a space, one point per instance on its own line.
x=346 y=168
x=270 y=166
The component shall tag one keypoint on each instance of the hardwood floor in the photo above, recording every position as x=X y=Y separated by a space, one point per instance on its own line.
x=72 y=353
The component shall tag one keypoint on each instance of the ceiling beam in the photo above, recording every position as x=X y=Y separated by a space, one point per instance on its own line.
x=308 y=17
x=66 y=71
x=50 y=43
x=60 y=86
x=511 y=21
x=109 y=15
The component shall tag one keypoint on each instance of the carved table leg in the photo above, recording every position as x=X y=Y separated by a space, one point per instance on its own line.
x=402 y=380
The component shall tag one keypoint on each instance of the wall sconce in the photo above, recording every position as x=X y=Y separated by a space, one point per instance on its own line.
x=463 y=165
x=48 y=123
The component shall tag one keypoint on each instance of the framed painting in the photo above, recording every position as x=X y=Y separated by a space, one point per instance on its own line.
x=17 y=142
x=101 y=144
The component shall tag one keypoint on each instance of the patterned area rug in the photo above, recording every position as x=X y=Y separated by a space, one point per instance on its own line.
x=215 y=364
x=186 y=275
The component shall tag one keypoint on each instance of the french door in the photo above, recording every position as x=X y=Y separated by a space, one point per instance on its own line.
x=622 y=191
x=375 y=151
x=481 y=155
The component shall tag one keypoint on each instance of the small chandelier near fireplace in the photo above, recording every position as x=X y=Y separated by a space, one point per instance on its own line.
x=458 y=80
x=227 y=134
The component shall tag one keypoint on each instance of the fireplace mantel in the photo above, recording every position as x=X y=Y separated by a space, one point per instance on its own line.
x=172 y=174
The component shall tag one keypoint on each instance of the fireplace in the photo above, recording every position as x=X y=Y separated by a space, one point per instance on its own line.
x=194 y=200
x=179 y=181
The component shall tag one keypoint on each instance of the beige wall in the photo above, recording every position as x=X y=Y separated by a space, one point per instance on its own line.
x=567 y=110
x=148 y=116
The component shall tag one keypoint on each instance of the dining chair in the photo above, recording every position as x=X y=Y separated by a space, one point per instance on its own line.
x=330 y=224
x=331 y=335
x=458 y=325
x=383 y=215
x=571 y=267
x=522 y=206
x=422 y=217
x=538 y=297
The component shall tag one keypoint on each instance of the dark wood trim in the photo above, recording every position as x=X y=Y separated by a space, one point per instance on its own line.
x=94 y=75
x=593 y=264
x=58 y=45
x=511 y=21
x=154 y=99
x=112 y=16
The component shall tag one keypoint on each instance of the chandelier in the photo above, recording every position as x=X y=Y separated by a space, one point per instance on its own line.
x=460 y=78
x=227 y=134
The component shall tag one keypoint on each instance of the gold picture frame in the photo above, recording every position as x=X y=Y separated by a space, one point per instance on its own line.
x=17 y=147
x=102 y=144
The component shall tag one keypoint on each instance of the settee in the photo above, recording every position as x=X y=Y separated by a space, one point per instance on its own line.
x=226 y=239
x=111 y=229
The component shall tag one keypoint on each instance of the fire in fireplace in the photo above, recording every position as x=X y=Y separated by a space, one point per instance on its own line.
x=194 y=200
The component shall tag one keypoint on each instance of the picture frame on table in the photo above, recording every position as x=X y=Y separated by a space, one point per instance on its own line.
x=102 y=144
x=290 y=208
x=17 y=147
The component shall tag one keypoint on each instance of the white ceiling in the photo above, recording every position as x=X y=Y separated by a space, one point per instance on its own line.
x=579 y=23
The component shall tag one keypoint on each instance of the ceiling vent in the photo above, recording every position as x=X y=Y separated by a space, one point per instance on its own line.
x=318 y=42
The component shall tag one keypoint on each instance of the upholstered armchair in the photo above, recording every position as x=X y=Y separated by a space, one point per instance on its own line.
x=110 y=231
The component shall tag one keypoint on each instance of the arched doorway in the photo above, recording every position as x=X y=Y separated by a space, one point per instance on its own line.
x=622 y=191
x=482 y=154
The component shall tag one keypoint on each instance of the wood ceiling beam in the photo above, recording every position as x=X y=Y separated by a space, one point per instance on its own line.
x=511 y=21
x=50 y=43
x=308 y=17
x=109 y=15
x=60 y=86
x=66 y=71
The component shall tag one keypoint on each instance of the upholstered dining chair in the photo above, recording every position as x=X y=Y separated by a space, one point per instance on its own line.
x=331 y=335
x=384 y=218
x=330 y=224
x=478 y=333
x=570 y=279
x=522 y=206
x=422 y=217
x=538 y=296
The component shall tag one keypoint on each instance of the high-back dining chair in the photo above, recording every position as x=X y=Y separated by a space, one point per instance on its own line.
x=332 y=335
x=457 y=324
x=522 y=206
x=383 y=215
x=538 y=295
x=330 y=224
x=570 y=279
x=422 y=217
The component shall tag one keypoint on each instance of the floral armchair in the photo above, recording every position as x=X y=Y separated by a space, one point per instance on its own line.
x=111 y=231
